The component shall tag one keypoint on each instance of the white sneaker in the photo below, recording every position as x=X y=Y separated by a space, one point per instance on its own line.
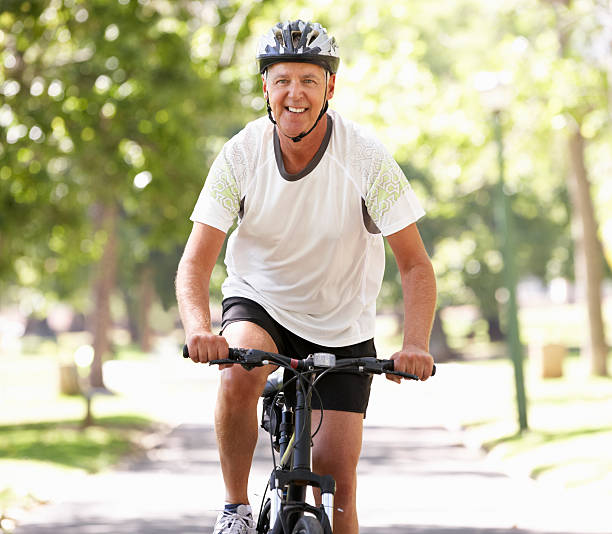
x=239 y=522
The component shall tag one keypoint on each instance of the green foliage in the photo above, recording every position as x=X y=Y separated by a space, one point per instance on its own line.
x=416 y=85
x=127 y=102
x=106 y=103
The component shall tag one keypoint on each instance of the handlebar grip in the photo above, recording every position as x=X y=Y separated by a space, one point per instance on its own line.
x=233 y=353
x=389 y=366
x=221 y=362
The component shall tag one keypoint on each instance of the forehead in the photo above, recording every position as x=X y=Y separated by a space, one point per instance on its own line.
x=295 y=69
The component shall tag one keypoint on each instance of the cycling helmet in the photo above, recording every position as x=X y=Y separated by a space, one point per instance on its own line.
x=300 y=41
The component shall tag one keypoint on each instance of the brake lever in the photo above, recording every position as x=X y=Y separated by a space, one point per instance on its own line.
x=222 y=362
x=403 y=375
x=249 y=366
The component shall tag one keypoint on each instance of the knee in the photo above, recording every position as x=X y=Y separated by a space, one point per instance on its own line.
x=344 y=473
x=346 y=487
x=238 y=387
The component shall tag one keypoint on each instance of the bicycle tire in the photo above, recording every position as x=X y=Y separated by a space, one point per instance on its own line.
x=263 y=522
x=307 y=525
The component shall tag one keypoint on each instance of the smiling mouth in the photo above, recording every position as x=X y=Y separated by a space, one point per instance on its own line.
x=296 y=110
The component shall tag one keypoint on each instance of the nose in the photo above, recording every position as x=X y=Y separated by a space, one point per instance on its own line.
x=294 y=89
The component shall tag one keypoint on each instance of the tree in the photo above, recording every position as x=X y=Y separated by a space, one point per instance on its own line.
x=579 y=108
x=420 y=96
x=114 y=110
x=110 y=117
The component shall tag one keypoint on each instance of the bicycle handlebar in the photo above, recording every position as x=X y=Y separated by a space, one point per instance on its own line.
x=250 y=358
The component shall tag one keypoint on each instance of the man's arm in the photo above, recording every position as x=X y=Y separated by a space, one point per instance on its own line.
x=192 y=281
x=419 y=293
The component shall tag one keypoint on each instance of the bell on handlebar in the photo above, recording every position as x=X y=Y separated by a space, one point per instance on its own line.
x=323 y=359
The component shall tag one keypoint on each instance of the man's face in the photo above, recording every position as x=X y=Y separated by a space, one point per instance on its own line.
x=297 y=94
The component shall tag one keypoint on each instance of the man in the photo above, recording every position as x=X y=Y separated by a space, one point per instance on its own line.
x=313 y=193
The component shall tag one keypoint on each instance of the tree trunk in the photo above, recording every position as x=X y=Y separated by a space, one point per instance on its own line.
x=103 y=286
x=588 y=254
x=438 y=344
x=495 y=330
x=138 y=304
x=147 y=293
x=131 y=307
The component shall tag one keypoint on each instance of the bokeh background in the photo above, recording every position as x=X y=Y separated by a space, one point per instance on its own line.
x=499 y=113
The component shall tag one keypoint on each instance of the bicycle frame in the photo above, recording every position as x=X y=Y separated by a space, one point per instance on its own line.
x=290 y=481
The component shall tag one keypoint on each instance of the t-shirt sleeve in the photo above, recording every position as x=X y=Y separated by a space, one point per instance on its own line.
x=389 y=198
x=219 y=201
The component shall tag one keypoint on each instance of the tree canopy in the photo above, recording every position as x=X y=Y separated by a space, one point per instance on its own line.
x=123 y=104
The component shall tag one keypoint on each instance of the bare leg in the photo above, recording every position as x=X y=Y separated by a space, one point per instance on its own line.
x=336 y=452
x=236 y=410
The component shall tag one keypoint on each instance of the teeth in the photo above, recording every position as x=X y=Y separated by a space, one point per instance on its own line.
x=297 y=110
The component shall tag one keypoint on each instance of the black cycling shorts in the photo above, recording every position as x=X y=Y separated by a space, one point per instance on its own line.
x=344 y=391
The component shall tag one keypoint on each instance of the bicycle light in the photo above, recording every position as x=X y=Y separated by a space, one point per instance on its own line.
x=323 y=359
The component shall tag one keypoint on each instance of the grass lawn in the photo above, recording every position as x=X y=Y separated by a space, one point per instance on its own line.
x=570 y=425
x=42 y=439
x=68 y=444
x=42 y=442
x=34 y=456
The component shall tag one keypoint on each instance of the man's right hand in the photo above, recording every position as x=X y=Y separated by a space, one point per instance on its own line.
x=206 y=346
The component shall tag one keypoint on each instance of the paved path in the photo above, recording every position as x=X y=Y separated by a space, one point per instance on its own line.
x=413 y=478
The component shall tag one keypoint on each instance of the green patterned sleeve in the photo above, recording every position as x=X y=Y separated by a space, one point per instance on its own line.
x=389 y=199
x=219 y=201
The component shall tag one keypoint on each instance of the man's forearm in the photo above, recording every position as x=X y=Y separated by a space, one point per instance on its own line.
x=193 y=277
x=419 y=292
x=192 y=296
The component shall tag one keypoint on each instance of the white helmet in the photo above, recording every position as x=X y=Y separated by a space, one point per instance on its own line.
x=298 y=41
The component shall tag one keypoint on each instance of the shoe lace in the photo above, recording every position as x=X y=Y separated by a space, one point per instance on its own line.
x=233 y=523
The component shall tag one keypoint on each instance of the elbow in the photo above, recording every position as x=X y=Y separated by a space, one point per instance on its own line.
x=421 y=265
x=420 y=273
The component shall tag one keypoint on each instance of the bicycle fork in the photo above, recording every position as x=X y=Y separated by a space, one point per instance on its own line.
x=289 y=483
x=289 y=491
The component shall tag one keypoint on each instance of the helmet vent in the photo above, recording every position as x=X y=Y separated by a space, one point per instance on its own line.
x=295 y=39
x=313 y=35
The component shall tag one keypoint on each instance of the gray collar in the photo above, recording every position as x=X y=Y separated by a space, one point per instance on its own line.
x=311 y=164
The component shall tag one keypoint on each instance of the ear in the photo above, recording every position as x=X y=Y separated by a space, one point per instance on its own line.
x=264 y=85
x=331 y=85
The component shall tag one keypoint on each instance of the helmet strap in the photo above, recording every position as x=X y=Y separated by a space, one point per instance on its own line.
x=298 y=138
x=269 y=110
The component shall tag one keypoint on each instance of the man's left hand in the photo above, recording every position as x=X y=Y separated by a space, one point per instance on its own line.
x=413 y=360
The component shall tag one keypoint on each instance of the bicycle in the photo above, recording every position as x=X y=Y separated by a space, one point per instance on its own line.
x=289 y=426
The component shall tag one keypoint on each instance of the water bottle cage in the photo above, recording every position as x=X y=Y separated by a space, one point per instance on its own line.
x=271 y=417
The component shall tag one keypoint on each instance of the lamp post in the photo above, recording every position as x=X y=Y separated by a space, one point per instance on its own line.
x=494 y=92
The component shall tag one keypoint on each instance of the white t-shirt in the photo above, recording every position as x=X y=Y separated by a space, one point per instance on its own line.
x=304 y=248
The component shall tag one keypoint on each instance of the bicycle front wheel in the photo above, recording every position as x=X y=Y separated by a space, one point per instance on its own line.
x=263 y=522
x=307 y=525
